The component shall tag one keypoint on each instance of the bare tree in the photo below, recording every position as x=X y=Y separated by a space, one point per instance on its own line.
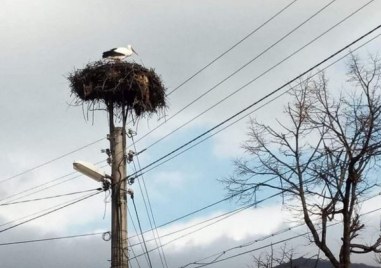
x=274 y=259
x=324 y=157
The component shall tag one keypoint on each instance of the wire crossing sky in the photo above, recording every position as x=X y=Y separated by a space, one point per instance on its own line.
x=221 y=63
x=176 y=88
x=257 y=102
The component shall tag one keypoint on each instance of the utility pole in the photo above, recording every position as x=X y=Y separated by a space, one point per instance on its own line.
x=125 y=89
x=119 y=248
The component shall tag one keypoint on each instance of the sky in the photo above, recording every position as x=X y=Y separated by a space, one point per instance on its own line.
x=43 y=133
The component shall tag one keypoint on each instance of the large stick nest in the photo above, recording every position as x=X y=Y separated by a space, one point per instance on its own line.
x=119 y=84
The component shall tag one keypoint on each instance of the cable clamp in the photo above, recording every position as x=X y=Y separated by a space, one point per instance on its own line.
x=130 y=133
x=106 y=236
x=130 y=180
x=130 y=156
x=130 y=192
x=106 y=151
x=106 y=184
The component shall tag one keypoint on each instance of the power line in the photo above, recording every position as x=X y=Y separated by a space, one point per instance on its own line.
x=263 y=238
x=273 y=243
x=207 y=206
x=262 y=247
x=231 y=213
x=46 y=183
x=232 y=47
x=49 y=212
x=176 y=88
x=218 y=255
x=194 y=231
x=222 y=200
x=254 y=103
x=49 y=197
x=73 y=236
x=85 y=146
x=252 y=250
x=162 y=256
x=161 y=252
x=224 y=215
x=234 y=73
x=141 y=233
x=252 y=80
x=49 y=239
x=38 y=186
x=314 y=75
x=204 y=208
x=35 y=213
x=249 y=113
x=80 y=148
x=49 y=161
x=133 y=253
x=196 y=262
x=218 y=219
x=136 y=231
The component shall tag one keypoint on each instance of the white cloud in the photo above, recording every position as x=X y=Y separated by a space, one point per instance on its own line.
x=247 y=223
x=173 y=180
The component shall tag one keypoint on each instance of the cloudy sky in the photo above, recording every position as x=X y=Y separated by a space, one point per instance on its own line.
x=43 y=41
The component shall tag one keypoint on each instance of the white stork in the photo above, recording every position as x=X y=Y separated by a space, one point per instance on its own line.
x=119 y=53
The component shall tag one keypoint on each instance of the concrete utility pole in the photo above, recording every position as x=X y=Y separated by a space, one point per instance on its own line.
x=119 y=251
x=124 y=89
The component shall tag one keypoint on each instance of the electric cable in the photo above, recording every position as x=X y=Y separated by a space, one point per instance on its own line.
x=252 y=105
x=80 y=148
x=134 y=255
x=224 y=215
x=262 y=247
x=232 y=47
x=218 y=216
x=218 y=219
x=136 y=231
x=49 y=212
x=35 y=213
x=176 y=88
x=49 y=197
x=240 y=69
x=46 y=183
x=245 y=245
x=141 y=233
x=268 y=245
x=236 y=247
x=38 y=186
x=155 y=233
x=66 y=154
x=248 y=83
x=161 y=252
x=204 y=208
x=257 y=240
x=49 y=161
x=48 y=239
x=263 y=238
x=251 y=112
x=201 y=228
x=354 y=50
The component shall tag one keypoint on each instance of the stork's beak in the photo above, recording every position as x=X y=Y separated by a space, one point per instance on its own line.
x=134 y=51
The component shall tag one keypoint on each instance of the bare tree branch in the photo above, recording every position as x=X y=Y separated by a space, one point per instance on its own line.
x=322 y=156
